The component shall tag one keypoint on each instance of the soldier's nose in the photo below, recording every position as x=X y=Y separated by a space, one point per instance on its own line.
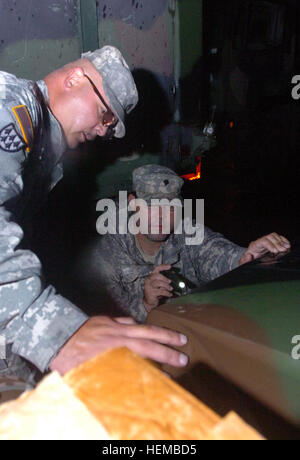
x=101 y=130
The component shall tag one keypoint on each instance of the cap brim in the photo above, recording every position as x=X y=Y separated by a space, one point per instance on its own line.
x=119 y=130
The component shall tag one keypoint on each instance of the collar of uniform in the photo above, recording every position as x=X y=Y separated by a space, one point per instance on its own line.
x=44 y=90
x=168 y=252
x=58 y=140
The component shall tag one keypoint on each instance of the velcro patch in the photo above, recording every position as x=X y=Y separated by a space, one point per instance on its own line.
x=10 y=141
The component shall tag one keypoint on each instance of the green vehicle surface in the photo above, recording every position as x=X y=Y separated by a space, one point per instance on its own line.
x=245 y=326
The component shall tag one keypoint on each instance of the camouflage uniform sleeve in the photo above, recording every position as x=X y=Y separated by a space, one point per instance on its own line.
x=124 y=282
x=216 y=256
x=34 y=320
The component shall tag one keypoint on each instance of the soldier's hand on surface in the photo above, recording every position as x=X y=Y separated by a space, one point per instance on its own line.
x=102 y=333
x=156 y=287
x=273 y=243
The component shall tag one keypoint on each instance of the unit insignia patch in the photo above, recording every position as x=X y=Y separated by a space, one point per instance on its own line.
x=10 y=141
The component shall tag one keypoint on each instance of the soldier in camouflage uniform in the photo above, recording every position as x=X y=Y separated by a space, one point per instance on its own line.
x=131 y=265
x=38 y=121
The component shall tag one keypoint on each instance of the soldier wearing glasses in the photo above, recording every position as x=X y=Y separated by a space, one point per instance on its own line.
x=38 y=121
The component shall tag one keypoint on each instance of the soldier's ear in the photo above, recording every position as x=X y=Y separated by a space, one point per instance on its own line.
x=132 y=203
x=74 y=77
x=131 y=197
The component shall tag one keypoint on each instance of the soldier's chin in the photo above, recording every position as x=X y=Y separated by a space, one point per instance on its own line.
x=157 y=237
x=73 y=142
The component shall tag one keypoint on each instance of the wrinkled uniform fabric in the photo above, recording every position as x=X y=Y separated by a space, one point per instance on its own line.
x=35 y=321
x=118 y=262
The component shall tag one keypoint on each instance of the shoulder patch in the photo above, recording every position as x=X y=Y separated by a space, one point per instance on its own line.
x=10 y=141
x=24 y=121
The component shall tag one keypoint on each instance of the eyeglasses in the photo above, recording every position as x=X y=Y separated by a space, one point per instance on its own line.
x=109 y=119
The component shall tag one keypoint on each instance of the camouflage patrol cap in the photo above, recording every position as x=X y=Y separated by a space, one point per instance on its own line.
x=156 y=182
x=118 y=83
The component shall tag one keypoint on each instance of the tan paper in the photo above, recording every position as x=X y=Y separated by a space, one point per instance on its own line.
x=50 y=412
x=134 y=400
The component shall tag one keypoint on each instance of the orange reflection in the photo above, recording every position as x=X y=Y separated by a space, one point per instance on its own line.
x=196 y=176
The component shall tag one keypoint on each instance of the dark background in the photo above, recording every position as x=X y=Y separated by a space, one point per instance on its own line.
x=249 y=179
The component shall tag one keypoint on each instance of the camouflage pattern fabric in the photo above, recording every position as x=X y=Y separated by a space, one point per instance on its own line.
x=117 y=261
x=152 y=182
x=34 y=320
x=118 y=83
